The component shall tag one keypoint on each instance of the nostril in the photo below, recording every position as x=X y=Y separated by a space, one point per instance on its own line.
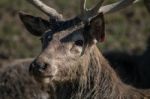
x=44 y=66
x=37 y=68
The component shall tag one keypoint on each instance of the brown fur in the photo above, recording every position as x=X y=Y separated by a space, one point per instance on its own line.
x=15 y=82
x=76 y=70
x=100 y=82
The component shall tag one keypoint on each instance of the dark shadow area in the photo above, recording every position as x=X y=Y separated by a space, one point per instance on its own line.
x=132 y=69
x=147 y=4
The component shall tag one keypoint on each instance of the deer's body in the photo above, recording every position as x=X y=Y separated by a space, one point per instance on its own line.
x=132 y=69
x=16 y=83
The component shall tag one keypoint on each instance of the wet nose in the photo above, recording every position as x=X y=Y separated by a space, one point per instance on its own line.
x=37 y=68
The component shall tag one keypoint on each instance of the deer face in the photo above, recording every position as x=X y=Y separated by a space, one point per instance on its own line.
x=63 y=52
x=65 y=44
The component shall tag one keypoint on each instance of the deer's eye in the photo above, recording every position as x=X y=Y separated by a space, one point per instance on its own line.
x=79 y=43
x=49 y=38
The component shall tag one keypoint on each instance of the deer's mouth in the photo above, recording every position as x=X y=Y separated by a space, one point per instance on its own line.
x=46 y=80
x=43 y=78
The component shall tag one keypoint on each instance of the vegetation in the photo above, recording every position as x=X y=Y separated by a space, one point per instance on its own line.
x=126 y=31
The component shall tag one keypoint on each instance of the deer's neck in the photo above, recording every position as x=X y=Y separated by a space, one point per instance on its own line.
x=104 y=81
x=99 y=82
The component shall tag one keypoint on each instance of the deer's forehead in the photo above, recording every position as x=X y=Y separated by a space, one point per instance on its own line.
x=69 y=34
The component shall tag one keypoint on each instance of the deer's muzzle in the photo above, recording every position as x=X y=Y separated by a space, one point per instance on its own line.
x=37 y=68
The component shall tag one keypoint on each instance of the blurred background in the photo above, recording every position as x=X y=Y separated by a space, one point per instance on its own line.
x=127 y=31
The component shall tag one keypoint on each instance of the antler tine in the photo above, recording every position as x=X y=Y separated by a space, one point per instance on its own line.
x=87 y=14
x=116 y=6
x=46 y=9
x=97 y=6
x=83 y=5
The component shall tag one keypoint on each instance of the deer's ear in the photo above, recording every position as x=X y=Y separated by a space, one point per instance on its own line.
x=98 y=27
x=35 y=25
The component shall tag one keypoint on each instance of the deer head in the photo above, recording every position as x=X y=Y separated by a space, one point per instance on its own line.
x=66 y=44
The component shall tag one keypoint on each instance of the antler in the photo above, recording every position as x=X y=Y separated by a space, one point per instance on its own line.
x=46 y=9
x=116 y=6
x=83 y=5
x=87 y=14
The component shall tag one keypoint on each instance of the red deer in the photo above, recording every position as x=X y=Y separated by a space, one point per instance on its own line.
x=70 y=62
x=16 y=83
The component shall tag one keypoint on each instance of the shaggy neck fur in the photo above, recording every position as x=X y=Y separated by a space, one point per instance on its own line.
x=99 y=82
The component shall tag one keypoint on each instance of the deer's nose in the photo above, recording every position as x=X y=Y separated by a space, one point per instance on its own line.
x=37 y=68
